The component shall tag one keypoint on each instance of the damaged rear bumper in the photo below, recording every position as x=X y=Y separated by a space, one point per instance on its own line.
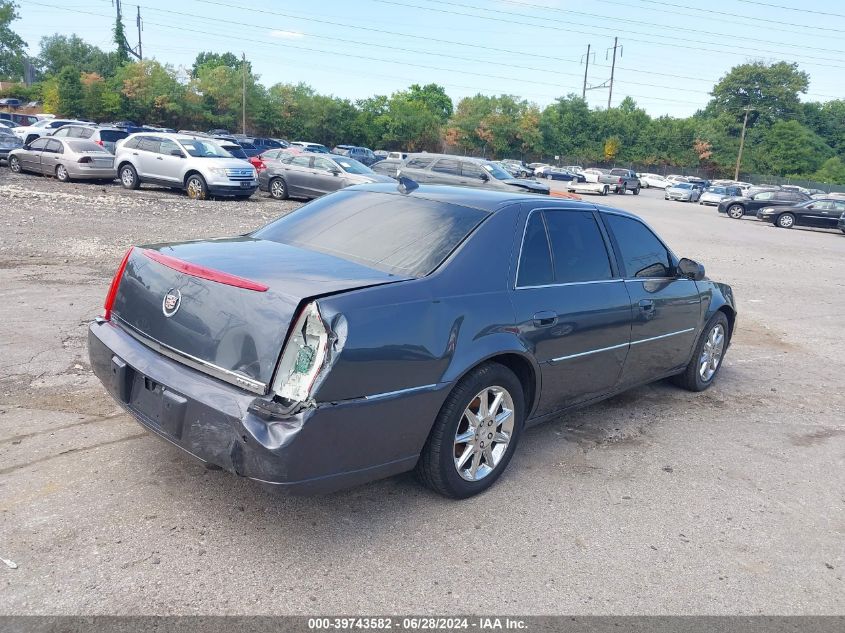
x=319 y=449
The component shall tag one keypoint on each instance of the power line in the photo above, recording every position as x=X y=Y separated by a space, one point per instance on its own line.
x=801 y=10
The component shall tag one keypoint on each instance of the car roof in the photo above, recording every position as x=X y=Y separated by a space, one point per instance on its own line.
x=483 y=199
x=174 y=136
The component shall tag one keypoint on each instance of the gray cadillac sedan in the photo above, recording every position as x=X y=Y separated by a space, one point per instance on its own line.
x=382 y=329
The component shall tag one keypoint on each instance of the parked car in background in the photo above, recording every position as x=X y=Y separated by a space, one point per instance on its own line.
x=65 y=159
x=387 y=167
x=7 y=125
x=823 y=214
x=654 y=180
x=19 y=120
x=832 y=194
x=43 y=128
x=8 y=142
x=197 y=165
x=311 y=147
x=106 y=137
x=715 y=194
x=236 y=151
x=263 y=143
x=702 y=183
x=463 y=171
x=676 y=178
x=285 y=341
x=841 y=224
x=628 y=181
x=310 y=175
x=737 y=208
x=397 y=155
x=683 y=192
x=602 y=177
x=560 y=173
x=517 y=168
x=10 y=103
x=796 y=188
x=363 y=155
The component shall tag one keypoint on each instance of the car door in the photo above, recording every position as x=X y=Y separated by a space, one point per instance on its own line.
x=51 y=156
x=472 y=175
x=297 y=174
x=326 y=176
x=145 y=155
x=666 y=309
x=572 y=308
x=166 y=166
x=30 y=159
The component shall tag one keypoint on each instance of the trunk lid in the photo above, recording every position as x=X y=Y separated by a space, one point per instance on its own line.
x=233 y=327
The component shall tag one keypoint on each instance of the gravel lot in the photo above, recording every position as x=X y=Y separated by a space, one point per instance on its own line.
x=655 y=502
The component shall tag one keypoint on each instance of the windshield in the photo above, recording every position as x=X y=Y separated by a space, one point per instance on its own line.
x=394 y=234
x=352 y=166
x=497 y=172
x=683 y=185
x=204 y=149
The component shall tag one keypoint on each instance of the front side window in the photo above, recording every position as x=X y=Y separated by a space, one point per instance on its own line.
x=167 y=146
x=535 y=259
x=764 y=195
x=324 y=164
x=38 y=144
x=471 y=170
x=643 y=254
x=578 y=249
x=419 y=163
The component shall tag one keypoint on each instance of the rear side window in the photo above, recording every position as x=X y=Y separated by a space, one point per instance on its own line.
x=643 y=254
x=535 y=259
x=149 y=144
x=419 y=163
x=394 y=234
x=112 y=136
x=446 y=166
x=132 y=143
x=578 y=248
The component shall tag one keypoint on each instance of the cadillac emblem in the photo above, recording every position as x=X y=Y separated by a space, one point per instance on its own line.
x=171 y=303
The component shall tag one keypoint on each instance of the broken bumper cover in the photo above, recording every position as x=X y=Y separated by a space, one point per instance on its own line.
x=317 y=450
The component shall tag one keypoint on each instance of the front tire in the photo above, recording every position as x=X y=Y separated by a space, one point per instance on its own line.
x=15 y=165
x=785 y=221
x=475 y=433
x=279 y=189
x=196 y=188
x=636 y=191
x=604 y=190
x=736 y=211
x=707 y=358
x=61 y=174
x=129 y=177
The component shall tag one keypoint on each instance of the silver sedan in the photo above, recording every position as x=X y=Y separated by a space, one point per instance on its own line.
x=683 y=191
x=66 y=159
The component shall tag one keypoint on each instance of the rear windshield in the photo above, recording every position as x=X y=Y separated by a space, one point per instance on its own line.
x=80 y=145
x=235 y=150
x=111 y=136
x=391 y=233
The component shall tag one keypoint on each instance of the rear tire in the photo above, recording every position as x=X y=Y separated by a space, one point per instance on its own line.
x=621 y=190
x=61 y=174
x=463 y=417
x=695 y=377
x=196 y=188
x=129 y=177
x=736 y=211
x=636 y=191
x=785 y=221
x=15 y=165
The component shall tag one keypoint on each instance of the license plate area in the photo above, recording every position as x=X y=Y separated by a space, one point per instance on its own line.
x=158 y=405
x=246 y=185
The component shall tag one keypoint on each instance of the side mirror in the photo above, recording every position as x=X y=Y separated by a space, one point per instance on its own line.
x=690 y=269
x=335 y=172
x=176 y=152
x=484 y=177
x=26 y=147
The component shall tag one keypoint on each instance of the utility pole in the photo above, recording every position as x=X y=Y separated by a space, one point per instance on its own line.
x=243 y=112
x=612 y=68
x=586 y=67
x=741 y=142
x=138 y=23
x=135 y=52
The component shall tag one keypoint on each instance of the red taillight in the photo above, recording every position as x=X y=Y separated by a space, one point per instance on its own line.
x=115 y=283
x=204 y=273
x=100 y=143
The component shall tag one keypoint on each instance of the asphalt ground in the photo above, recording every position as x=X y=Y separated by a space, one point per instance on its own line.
x=657 y=501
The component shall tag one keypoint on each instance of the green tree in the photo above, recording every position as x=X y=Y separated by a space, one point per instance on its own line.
x=772 y=90
x=150 y=93
x=213 y=60
x=791 y=149
x=71 y=102
x=12 y=47
x=567 y=130
x=58 y=51
x=119 y=33
x=434 y=98
x=832 y=171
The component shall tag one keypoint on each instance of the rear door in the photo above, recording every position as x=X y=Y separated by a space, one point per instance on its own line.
x=571 y=305
x=666 y=309
x=146 y=155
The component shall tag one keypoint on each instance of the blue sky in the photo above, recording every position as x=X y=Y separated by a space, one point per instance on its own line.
x=673 y=51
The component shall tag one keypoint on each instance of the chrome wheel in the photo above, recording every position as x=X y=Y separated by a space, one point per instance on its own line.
x=736 y=211
x=711 y=353
x=278 y=189
x=61 y=173
x=195 y=189
x=15 y=165
x=786 y=221
x=484 y=433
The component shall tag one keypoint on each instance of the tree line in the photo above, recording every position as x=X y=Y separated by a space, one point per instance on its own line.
x=785 y=135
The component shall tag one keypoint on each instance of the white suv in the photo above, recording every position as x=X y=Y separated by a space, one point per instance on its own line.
x=44 y=127
x=195 y=164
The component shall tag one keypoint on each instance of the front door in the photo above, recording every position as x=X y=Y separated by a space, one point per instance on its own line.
x=572 y=309
x=666 y=309
x=30 y=159
x=165 y=166
x=324 y=177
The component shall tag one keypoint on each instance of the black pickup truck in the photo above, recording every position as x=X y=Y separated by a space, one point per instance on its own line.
x=627 y=181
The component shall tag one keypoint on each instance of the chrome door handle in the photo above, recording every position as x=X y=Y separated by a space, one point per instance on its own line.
x=159 y=158
x=544 y=318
